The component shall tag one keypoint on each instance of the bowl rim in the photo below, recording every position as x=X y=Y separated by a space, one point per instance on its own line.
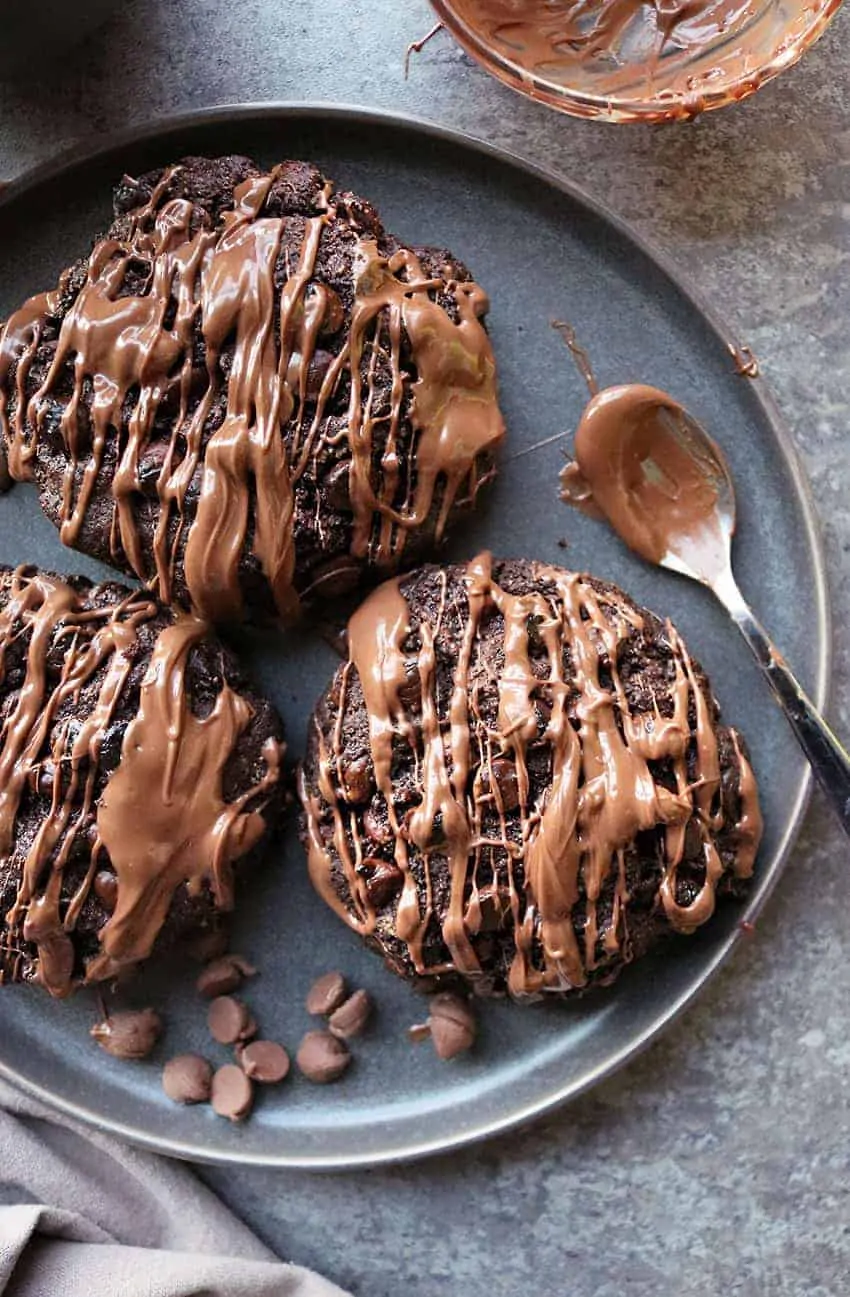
x=626 y=109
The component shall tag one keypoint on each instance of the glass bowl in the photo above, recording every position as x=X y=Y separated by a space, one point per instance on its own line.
x=636 y=60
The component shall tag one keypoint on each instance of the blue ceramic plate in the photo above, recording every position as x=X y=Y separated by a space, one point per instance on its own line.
x=543 y=249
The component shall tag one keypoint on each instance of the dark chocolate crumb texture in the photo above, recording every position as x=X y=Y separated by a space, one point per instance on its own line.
x=137 y=766
x=250 y=393
x=520 y=778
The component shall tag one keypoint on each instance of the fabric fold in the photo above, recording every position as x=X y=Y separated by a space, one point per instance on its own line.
x=86 y=1213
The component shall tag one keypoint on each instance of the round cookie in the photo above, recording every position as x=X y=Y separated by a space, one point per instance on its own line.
x=520 y=778
x=137 y=767
x=250 y=394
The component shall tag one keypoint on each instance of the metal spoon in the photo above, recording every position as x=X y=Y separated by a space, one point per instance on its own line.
x=645 y=460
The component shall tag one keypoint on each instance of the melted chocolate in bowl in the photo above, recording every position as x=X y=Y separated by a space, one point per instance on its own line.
x=631 y=60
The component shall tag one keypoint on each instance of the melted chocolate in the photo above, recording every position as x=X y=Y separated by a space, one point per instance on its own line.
x=161 y=821
x=547 y=38
x=745 y=361
x=635 y=467
x=579 y=354
x=136 y=348
x=602 y=794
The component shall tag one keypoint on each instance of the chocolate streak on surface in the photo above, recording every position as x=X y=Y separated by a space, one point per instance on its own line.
x=634 y=467
x=745 y=360
x=602 y=792
x=160 y=820
x=416 y=47
x=581 y=360
x=136 y=348
x=579 y=354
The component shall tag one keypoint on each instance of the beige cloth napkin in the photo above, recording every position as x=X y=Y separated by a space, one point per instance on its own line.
x=85 y=1214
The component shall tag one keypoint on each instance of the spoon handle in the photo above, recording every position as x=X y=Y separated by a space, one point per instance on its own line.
x=829 y=760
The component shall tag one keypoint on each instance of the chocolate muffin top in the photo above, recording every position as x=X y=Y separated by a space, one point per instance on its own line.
x=136 y=767
x=250 y=393
x=520 y=778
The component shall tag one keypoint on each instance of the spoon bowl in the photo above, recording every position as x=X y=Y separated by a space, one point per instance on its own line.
x=692 y=553
x=644 y=463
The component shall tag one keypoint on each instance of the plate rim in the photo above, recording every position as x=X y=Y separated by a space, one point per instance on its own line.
x=90 y=150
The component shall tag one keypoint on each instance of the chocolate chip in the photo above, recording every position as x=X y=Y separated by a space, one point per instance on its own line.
x=232 y=1094
x=495 y=912
x=452 y=1024
x=187 y=1078
x=264 y=1061
x=326 y=994
x=358 y=785
x=151 y=462
x=106 y=888
x=224 y=975
x=383 y=881
x=505 y=778
x=376 y=827
x=129 y=1034
x=46 y=774
x=322 y=1058
x=317 y=372
x=351 y=1017
x=360 y=212
x=230 y=1020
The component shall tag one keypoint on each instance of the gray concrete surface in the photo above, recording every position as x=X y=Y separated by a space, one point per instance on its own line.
x=718 y=1163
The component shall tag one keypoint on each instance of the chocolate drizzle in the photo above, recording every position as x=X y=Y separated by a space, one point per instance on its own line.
x=160 y=821
x=483 y=832
x=258 y=409
x=168 y=785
